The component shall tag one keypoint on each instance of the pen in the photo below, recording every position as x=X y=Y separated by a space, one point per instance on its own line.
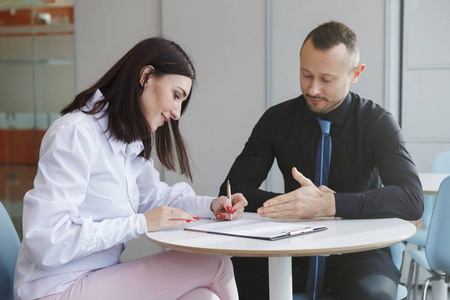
x=229 y=196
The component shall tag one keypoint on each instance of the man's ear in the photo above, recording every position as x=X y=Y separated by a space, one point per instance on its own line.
x=356 y=73
x=145 y=73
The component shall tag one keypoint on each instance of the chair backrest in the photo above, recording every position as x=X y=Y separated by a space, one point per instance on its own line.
x=441 y=164
x=9 y=250
x=437 y=246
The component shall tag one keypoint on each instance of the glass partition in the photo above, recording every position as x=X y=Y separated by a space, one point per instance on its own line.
x=37 y=79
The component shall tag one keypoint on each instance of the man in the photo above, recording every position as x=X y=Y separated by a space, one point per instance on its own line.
x=371 y=174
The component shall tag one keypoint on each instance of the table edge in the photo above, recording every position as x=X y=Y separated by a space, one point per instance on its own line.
x=280 y=253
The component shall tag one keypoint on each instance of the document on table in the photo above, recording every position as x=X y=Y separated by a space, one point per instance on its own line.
x=256 y=229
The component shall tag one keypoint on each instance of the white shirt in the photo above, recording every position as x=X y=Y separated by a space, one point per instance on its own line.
x=88 y=200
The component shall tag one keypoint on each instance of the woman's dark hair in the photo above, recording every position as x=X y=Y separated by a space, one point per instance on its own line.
x=121 y=88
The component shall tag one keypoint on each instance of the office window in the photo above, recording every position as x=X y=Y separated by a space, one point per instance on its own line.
x=36 y=80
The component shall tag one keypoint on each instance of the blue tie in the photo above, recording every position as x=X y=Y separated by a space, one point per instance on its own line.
x=323 y=154
x=316 y=268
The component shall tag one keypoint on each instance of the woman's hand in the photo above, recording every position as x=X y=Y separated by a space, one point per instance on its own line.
x=165 y=216
x=223 y=209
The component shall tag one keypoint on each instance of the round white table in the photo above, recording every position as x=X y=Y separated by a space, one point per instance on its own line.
x=342 y=236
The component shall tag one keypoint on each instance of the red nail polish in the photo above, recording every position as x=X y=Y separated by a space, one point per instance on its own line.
x=197 y=218
x=229 y=209
x=220 y=216
x=234 y=210
x=188 y=221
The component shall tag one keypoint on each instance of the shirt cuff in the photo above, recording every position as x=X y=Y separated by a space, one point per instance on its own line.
x=202 y=208
x=206 y=211
x=141 y=225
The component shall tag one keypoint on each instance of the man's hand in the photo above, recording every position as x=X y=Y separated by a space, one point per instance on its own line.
x=306 y=202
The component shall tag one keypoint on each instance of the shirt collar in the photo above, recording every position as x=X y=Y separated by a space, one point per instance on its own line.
x=337 y=115
x=116 y=145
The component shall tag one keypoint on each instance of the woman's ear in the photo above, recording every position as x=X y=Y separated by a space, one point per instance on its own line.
x=145 y=73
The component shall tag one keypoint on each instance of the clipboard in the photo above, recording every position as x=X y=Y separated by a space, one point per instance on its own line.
x=264 y=230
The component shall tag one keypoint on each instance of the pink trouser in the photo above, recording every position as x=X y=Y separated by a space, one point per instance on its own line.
x=166 y=275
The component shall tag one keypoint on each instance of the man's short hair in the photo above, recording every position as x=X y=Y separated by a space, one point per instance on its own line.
x=331 y=34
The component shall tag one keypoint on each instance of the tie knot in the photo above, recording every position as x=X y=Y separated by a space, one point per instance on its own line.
x=324 y=125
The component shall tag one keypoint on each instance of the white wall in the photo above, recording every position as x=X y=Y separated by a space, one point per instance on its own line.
x=426 y=72
x=227 y=41
x=106 y=29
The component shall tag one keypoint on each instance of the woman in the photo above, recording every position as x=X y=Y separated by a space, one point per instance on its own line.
x=96 y=189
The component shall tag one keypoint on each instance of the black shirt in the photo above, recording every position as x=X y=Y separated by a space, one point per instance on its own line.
x=371 y=171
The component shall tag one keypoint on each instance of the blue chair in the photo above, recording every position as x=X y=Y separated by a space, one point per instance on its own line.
x=437 y=246
x=9 y=250
x=397 y=256
x=441 y=164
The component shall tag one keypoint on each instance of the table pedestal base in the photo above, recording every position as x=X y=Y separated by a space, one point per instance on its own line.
x=280 y=278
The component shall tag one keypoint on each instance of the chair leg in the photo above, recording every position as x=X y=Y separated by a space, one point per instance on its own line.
x=416 y=281
x=428 y=281
x=416 y=277
x=412 y=265
x=425 y=288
